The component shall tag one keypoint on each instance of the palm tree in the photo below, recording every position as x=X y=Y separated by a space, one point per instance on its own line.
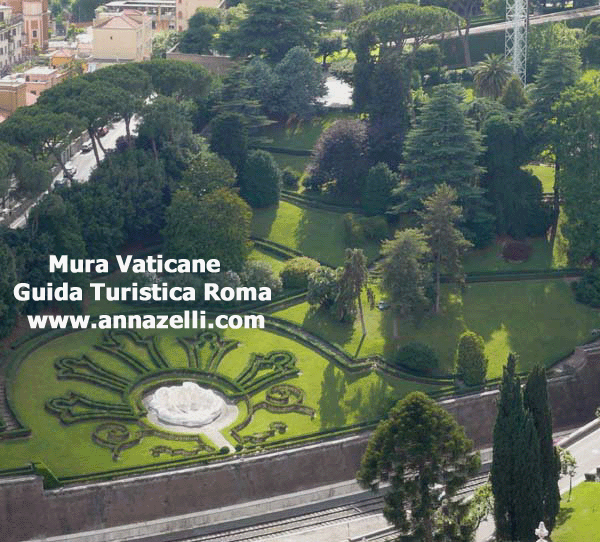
x=491 y=76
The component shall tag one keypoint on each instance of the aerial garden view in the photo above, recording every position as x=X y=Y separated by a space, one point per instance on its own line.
x=433 y=236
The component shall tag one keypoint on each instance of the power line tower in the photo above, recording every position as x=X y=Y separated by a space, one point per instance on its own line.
x=515 y=37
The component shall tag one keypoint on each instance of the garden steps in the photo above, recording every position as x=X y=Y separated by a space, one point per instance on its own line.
x=7 y=420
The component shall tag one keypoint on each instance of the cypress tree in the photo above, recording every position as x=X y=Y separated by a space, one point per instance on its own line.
x=535 y=398
x=515 y=472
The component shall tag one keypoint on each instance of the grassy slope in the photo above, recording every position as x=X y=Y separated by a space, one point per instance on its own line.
x=314 y=232
x=579 y=519
x=536 y=319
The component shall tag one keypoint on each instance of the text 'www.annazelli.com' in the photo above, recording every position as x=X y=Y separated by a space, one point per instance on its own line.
x=190 y=319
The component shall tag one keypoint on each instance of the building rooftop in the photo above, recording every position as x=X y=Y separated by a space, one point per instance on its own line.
x=140 y=3
x=120 y=21
x=40 y=70
x=11 y=81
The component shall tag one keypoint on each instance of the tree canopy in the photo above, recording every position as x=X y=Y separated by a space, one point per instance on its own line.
x=427 y=458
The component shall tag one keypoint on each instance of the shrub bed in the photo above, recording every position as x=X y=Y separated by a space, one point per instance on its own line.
x=516 y=251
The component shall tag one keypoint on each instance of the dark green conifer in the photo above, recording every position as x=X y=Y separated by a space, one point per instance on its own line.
x=535 y=398
x=515 y=472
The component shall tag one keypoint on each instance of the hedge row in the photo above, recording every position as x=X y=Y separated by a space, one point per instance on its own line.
x=283 y=150
x=316 y=203
x=283 y=252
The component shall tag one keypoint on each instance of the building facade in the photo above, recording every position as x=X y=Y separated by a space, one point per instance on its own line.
x=186 y=8
x=11 y=38
x=161 y=12
x=122 y=37
x=36 y=19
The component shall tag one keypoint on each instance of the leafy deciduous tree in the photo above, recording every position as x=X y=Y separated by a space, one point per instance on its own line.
x=260 y=181
x=215 y=226
x=340 y=155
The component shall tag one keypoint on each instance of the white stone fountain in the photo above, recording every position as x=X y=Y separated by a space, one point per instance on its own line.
x=190 y=408
x=188 y=405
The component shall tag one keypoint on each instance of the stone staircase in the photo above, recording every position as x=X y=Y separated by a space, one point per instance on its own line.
x=9 y=423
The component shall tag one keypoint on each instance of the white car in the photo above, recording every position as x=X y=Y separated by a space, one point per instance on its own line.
x=71 y=169
x=86 y=147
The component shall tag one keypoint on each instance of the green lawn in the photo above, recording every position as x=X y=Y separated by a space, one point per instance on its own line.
x=276 y=263
x=297 y=163
x=314 y=232
x=300 y=134
x=579 y=519
x=337 y=397
x=538 y=320
x=544 y=255
x=544 y=173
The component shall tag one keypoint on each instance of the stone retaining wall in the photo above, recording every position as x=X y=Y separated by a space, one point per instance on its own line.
x=28 y=511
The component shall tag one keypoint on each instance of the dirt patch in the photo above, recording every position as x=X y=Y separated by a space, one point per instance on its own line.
x=516 y=252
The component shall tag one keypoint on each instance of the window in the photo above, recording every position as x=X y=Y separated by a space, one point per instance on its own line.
x=180 y=16
x=34 y=33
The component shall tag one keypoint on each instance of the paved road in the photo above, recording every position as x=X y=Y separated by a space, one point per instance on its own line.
x=85 y=164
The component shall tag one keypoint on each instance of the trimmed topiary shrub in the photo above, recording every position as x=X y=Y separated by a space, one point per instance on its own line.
x=296 y=271
x=260 y=182
x=417 y=357
x=290 y=178
x=515 y=251
x=587 y=290
x=471 y=363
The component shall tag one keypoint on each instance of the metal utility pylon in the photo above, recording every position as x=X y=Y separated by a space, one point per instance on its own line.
x=515 y=37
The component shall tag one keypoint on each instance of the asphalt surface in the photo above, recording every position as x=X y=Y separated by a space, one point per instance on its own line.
x=85 y=164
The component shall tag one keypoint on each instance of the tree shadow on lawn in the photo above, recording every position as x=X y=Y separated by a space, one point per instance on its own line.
x=324 y=325
x=438 y=331
x=372 y=404
x=333 y=389
x=263 y=220
x=320 y=235
x=564 y=515
x=535 y=319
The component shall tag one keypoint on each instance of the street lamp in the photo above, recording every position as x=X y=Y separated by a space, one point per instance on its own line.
x=542 y=532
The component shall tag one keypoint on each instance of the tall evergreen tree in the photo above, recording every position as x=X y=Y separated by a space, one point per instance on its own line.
x=515 y=472
x=388 y=108
x=446 y=241
x=535 y=398
x=444 y=147
x=425 y=455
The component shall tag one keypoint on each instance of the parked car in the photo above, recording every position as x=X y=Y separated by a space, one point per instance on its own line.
x=60 y=182
x=71 y=169
x=101 y=132
x=383 y=305
x=86 y=147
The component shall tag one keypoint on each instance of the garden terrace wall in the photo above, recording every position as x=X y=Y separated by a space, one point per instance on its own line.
x=28 y=511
